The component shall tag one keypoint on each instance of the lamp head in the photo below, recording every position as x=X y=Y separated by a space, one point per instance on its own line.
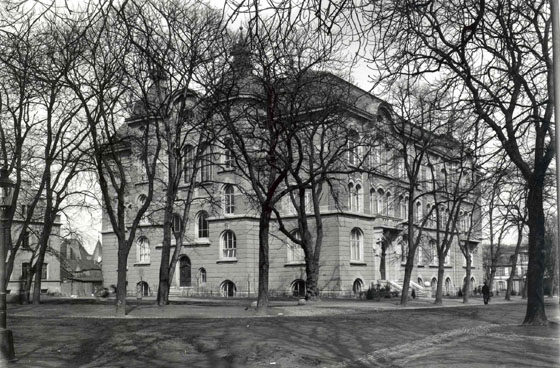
x=6 y=189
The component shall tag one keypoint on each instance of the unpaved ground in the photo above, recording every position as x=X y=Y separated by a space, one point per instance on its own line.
x=460 y=337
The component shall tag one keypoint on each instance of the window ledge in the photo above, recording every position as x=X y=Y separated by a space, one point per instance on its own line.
x=433 y=266
x=472 y=267
x=226 y=170
x=357 y=263
x=141 y=264
x=294 y=264
x=420 y=265
x=227 y=260
x=203 y=242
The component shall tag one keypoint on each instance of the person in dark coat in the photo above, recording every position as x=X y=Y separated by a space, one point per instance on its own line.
x=486 y=293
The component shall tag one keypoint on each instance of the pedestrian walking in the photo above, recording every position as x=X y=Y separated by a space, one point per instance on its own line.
x=486 y=293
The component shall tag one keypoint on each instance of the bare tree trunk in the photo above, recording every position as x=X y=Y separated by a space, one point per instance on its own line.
x=27 y=284
x=407 y=274
x=514 y=264
x=264 y=229
x=467 y=283
x=121 y=280
x=491 y=276
x=382 y=260
x=535 y=314
x=164 y=280
x=439 y=291
x=311 y=283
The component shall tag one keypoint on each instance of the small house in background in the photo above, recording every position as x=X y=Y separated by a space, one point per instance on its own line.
x=80 y=271
x=504 y=269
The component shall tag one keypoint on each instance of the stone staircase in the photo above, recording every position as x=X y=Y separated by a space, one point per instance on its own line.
x=420 y=291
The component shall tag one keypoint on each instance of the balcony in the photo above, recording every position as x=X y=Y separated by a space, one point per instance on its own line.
x=389 y=223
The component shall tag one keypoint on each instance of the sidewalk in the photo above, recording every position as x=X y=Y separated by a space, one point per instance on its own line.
x=226 y=308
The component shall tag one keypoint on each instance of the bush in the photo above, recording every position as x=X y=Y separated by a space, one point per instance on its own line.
x=377 y=292
x=513 y=293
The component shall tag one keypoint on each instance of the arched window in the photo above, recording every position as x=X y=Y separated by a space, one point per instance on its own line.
x=353 y=147
x=143 y=250
x=420 y=281
x=206 y=166
x=228 y=289
x=184 y=271
x=295 y=251
x=418 y=215
x=358 y=194
x=389 y=205
x=380 y=201
x=448 y=286
x=351 y=197
x=357 y=286
x=202 y=276
x=228 y=244
x=228 y=154
x=203 y=230
x=373 y=201
x=229 y=199
x=356 y=245
x=188 y=163
x=298 y=288
x=433 y=252
x=404 y=206
x=143 y=288
x=177 y=222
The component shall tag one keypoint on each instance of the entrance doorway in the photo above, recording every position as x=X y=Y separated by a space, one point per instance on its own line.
x=184 y=271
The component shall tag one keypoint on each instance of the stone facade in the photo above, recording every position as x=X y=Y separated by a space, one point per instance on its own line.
x=51 y=279
x=354 y=231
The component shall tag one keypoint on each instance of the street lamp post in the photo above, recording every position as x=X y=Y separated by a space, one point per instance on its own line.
x=6 y=192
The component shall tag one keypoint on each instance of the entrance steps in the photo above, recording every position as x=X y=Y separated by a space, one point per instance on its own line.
x=397 y=285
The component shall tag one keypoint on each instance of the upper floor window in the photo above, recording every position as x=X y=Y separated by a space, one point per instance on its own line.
x=418 y=215
x=229 y=199
x=375 y=158
x=381 y=207
x=228 y=245
x=176 y=223
x=400 y=168
x=143 y=250
x=188 y=163
x=358 y=195
x=388 y=210
x=356 y=245
x=404 y=207
x=206 y=167
x=228 y=154
x=295 y=251
x=373 y=201
x=203 y=230
x=353 y=147
x=433 y=252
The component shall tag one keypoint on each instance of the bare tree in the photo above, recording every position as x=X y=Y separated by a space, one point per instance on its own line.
x=177 y=38
x=501 y=54
x=103 y=61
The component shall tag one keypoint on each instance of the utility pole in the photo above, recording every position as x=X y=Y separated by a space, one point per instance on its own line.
x=6 y=338
x=556 y=67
